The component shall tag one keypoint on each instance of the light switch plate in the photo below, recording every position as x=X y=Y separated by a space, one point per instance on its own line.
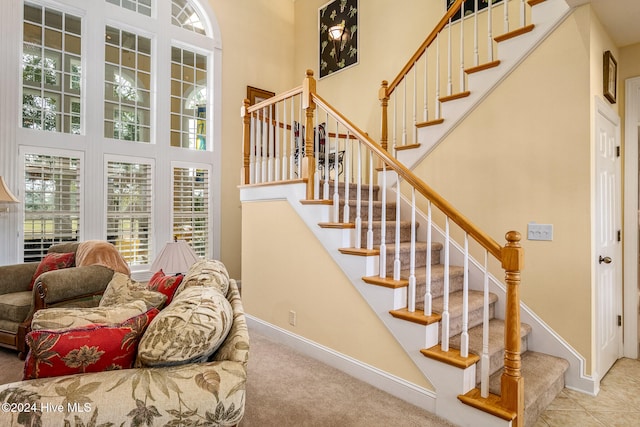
x=539 y=231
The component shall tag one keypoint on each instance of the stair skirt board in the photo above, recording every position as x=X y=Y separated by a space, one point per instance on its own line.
x=398 y=387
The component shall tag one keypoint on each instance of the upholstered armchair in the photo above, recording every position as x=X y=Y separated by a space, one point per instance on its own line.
x=79 y=283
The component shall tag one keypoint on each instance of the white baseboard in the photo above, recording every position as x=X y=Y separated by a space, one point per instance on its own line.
x=395 y=386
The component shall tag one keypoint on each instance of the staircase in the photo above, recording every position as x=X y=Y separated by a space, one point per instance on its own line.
x=543 y=374
x=459 y=324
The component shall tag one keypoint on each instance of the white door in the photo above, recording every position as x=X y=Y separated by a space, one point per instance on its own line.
x=608 y=257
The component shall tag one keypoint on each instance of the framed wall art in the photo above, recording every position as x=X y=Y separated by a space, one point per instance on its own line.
x=610 y=77
x=338 y=36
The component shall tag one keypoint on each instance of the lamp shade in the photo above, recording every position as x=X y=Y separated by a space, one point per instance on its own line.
x=176 y=257
x=6 y=195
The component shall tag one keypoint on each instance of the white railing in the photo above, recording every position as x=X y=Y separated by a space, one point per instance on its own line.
x=429 y=78
x=335 y=158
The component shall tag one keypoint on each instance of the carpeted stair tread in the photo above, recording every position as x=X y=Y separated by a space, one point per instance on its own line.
x=543 y=380
x=405 y=252
x=390 y=230
x=364 y=210
x=476 y=303
x=456 y=280
x=496 y=344
x=364 y=190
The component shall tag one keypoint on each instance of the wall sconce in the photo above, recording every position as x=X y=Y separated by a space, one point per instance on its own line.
x=338 y=34
x=6 y=196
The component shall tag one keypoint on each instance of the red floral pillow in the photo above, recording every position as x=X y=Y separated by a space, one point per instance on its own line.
x=166 y=285
x=89 y=349
x=53 y=261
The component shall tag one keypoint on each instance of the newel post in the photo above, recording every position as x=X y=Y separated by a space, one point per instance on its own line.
x=246 y=142
x=309 y=165
x=512 y=385
x=384 y=103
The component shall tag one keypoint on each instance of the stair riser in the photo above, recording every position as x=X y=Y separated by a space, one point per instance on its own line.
x=437 y=287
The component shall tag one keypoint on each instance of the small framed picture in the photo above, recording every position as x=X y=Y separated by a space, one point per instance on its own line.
x=255 y=95
x=610 y=77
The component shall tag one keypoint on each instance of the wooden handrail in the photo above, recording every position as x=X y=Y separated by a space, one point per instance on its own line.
x=274 y=99
x=447 y=208
x=425 y=45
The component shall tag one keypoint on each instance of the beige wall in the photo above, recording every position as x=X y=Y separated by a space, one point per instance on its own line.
x=257 y=50
x=277 y=276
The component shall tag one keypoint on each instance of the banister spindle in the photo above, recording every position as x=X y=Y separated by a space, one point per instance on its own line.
x=383 y=224
x=384 y=125
x=327 y=155
x=523 y=14
x=265 y=146
x=490 y=32
x=276 y=129
x=484 y=374
x=309 y=106
x=397 y=265
x=505 y=4
x=449 y=62
x=462 y=82
x=438 y=76
x=347 y=178
x=512 y=383
x=445 y=297
x=412 y=256
x=404 y=111
x=464 y=335
x=246 y=143
x=258 y=149
x=414 y=129
x=425 y=112
x=476 y=54
x=358 y=231
x=370 y=204
x=427 y=293
x=336 y=194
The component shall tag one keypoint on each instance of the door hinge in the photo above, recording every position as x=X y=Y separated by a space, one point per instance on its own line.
x=618 y=151
x=619 y=320
x=619 y=235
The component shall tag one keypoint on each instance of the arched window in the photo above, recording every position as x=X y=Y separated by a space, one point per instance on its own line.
x=112 y=81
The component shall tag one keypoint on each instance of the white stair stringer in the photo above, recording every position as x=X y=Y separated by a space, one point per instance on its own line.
x=546 y=17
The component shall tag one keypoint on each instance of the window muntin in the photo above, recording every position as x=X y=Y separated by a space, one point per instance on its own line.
x=129 y=216
x=188 y=99
x=51 y=70
x=128 y=74
x=51 y=202
x=143 y=7
x=184 y=15
x=190 y=213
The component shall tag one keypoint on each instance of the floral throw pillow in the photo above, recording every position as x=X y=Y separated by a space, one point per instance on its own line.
x=88 y=349
x=122 y=289
x=164 y=284
x=53 y=261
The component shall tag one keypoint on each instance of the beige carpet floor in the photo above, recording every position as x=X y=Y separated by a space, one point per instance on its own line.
x=285 y=388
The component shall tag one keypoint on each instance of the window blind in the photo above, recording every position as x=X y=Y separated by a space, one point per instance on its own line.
x=51 y=202
x=191 y=207
x=129 y=219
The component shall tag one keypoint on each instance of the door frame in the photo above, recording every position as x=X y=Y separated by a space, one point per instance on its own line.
x=631 y=218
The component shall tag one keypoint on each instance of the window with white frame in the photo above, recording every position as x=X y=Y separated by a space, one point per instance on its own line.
x=51 y=202
x=150 y=83
x=191 y=207
x=129 y=219
x=51 y=70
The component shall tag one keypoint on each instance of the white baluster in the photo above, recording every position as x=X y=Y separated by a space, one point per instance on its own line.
x=316 y=149
x=301 y=137
x=347 y=178
x=258 y=138
x=428 y=306
x=490 y=32
x=395 y=122
x=270 y=140
x=476 y=54
x=506 y=15
x=449 y=66
x=336 y=194
x=412 y=255
x=425 y=114
x=359 y=197
x=383 y=224
x=265 y=145
x=523 y=14
x=327 y=153
x=276 y=129
x=404 y=111
x=445 y=297
x=462 y=82
x=414 y=129
x=252 y=150
x=397 y=265
x=464 y=337
x=438 y=76
x=370 y=211
x=484 y=373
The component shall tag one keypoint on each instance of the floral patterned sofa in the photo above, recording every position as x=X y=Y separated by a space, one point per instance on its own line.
x=170 y=382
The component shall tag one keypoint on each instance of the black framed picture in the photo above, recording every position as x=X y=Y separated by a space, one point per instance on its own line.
x=338 y=36
x=610 y=77
x=470 y=7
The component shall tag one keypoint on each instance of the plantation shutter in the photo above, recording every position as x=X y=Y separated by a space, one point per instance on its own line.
x=191 y=207
x=129 y=220
x=51 y=202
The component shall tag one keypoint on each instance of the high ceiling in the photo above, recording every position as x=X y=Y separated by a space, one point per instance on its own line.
x=620 y=18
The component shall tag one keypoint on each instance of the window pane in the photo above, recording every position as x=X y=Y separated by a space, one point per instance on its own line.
x=51 y=203
x=189 y=98
x=142 y=7
x=127 y=86
x=42 y=69
x=184 y=15
x=129 y=217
